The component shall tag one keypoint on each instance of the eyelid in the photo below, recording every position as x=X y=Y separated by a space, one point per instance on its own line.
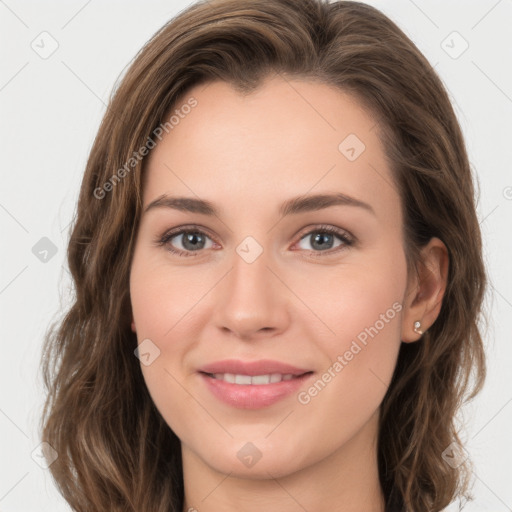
x=180 y=230
x=348 y=240
x=342 y=233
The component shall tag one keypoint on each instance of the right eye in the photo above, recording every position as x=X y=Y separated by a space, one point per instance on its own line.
x=192 y=240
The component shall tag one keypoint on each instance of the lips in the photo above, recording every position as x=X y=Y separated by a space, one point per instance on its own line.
x=252 y=368
x=252 y=385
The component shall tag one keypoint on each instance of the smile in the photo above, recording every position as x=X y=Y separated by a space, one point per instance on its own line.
x=253 y=391
x=256 y=380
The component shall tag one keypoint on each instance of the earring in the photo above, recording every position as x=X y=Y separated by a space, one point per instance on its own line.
x=417 y=326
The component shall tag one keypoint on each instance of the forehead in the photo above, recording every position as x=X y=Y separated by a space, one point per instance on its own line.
x=286 y=138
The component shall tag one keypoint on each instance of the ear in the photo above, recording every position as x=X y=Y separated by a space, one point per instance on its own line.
x=133 y=326
x=425 y=291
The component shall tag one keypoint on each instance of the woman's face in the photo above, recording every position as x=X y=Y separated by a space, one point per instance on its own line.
x=259 y=281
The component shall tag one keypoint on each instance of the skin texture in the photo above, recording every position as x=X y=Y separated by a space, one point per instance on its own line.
x=295 y=303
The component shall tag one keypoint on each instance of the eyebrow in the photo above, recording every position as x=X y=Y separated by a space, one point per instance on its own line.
x=294 y=205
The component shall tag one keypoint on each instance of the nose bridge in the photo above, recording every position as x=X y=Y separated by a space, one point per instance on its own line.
x=251 y=298
x=250 y=278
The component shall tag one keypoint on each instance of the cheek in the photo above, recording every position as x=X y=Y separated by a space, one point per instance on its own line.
x=154 y=315
x=162 y=297
x=359 y=311
x=355 y=299
x=164 y=305
x=365 y=309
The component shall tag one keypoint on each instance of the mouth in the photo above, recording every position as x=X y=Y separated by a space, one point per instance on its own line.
x=261 y=368
x=254 y=380
x=252 y=385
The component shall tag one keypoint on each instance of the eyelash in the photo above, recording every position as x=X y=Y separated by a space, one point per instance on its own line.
x=347 y=239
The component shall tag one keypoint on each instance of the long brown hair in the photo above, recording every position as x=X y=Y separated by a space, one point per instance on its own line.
x=115 y=451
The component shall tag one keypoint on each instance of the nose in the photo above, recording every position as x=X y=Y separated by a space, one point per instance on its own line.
x=251 y=301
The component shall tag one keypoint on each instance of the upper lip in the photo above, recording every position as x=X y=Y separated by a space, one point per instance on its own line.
x=261 y=367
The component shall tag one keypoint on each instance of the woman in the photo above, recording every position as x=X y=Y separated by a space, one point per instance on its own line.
x=278 y=274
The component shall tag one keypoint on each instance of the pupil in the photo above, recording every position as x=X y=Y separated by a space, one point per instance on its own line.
x=191 y=238
x=321 y=238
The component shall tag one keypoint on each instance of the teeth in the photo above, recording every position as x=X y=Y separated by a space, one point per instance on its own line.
x=242 y=379
x=260 y=379
x=245 y=380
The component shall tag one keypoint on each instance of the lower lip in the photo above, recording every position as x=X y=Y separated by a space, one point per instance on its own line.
x=253 y=396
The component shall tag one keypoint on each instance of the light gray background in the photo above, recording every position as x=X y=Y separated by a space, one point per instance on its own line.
x=50 y=110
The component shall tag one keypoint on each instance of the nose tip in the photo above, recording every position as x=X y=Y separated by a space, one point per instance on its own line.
x=251 y=302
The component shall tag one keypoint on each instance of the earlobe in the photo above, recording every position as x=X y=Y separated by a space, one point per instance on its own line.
x=417 y=326
x=425 y=296
x=133 y=326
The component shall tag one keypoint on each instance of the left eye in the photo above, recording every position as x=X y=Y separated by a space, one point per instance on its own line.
x=192 y=241
x=325 y=237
